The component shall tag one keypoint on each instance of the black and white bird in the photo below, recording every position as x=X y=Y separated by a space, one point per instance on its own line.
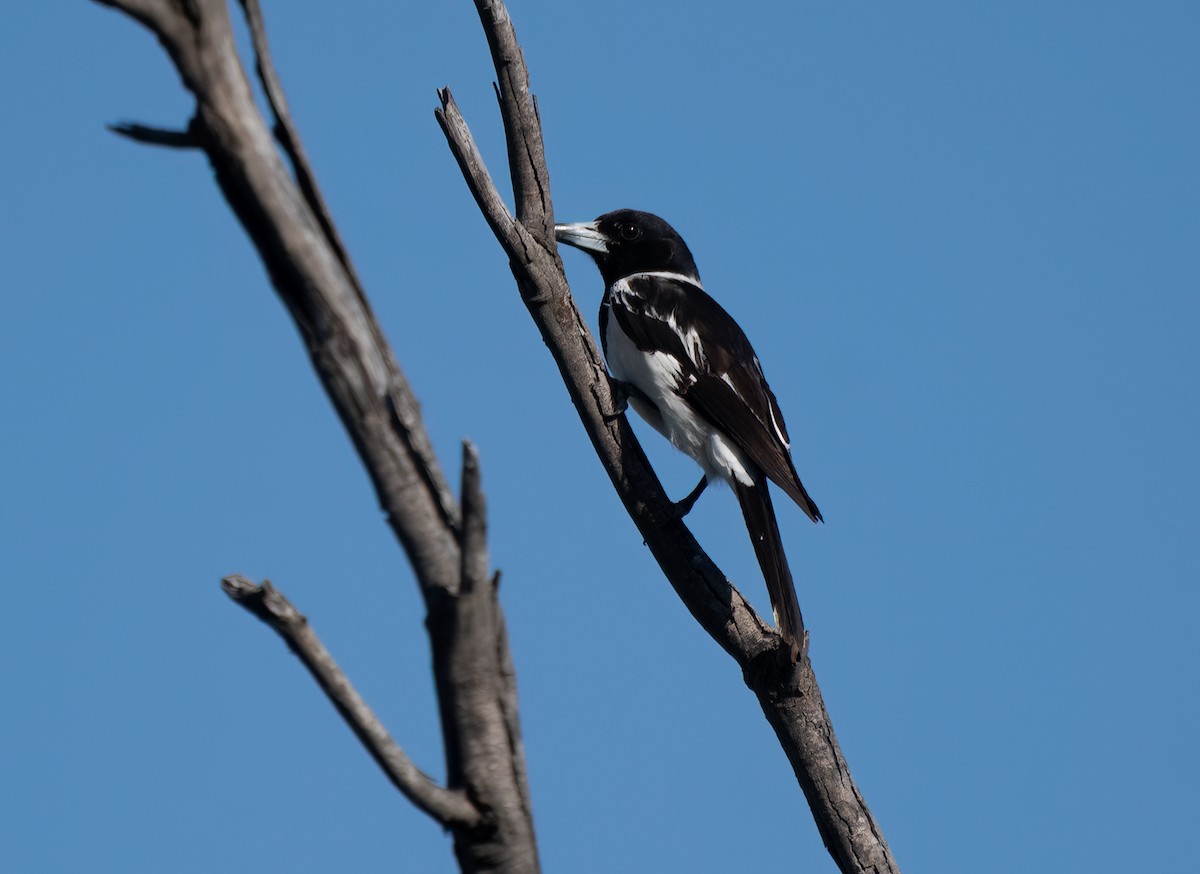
x=692 y=374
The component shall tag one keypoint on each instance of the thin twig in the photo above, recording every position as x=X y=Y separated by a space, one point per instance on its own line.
x=448 y=807
x=156 y=136
x=474 y=524
x=475 y=171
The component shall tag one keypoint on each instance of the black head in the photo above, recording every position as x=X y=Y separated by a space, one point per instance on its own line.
x=627 y=241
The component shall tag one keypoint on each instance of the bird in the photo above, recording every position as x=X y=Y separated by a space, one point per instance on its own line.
x=687 y=368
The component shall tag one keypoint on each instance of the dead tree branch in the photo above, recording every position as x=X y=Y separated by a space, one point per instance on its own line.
x=449 y=807
x=287 y=220
x=787 y=691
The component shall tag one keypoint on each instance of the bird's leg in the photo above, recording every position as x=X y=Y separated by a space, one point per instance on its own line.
x=620 y=392
x=681 y=508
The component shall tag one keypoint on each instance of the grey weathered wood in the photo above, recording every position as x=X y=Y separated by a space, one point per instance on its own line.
x=787 y=690
x=452 y=808
x=475 y=695
x=288 y=223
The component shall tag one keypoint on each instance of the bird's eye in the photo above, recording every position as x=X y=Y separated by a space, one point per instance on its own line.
x=629 y=231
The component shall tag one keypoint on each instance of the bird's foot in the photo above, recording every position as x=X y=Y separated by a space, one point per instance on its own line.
x=620 y=392
x=800 y=648
x=679 y=509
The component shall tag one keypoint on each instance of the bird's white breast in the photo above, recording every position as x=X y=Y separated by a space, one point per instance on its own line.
x=660 y=378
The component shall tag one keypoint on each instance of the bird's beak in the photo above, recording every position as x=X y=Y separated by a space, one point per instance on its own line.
x=583 y=235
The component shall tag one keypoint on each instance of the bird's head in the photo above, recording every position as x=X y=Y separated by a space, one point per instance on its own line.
x=627 y=241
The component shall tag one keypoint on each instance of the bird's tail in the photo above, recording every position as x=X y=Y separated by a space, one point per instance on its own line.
x=759 y=514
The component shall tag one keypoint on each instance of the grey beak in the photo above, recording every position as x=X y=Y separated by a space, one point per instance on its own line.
x=583 y=235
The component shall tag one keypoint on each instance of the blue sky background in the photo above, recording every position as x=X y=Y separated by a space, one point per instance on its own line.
x=963 y=238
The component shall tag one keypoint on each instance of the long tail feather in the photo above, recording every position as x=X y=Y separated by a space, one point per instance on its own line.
x=759 y=514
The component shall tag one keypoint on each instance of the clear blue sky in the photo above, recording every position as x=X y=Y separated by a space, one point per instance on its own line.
x=963 y=238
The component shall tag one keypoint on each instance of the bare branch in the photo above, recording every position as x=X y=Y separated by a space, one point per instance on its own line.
x=787 y=690
x=449 y=807
x=347 y=346
x=288 y=222
x=289 y=137
x=470 y=161
x=474 y=524
x=526 y=154
x=484 y=756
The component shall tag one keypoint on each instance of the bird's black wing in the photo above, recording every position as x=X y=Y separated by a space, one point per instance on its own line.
x=644 y=308
x=721 y=376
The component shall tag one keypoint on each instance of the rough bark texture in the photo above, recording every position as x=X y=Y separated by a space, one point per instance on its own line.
x=486 y=803
x=786 y=690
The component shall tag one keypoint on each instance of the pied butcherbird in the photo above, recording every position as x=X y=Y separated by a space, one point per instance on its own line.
x=691 y=373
